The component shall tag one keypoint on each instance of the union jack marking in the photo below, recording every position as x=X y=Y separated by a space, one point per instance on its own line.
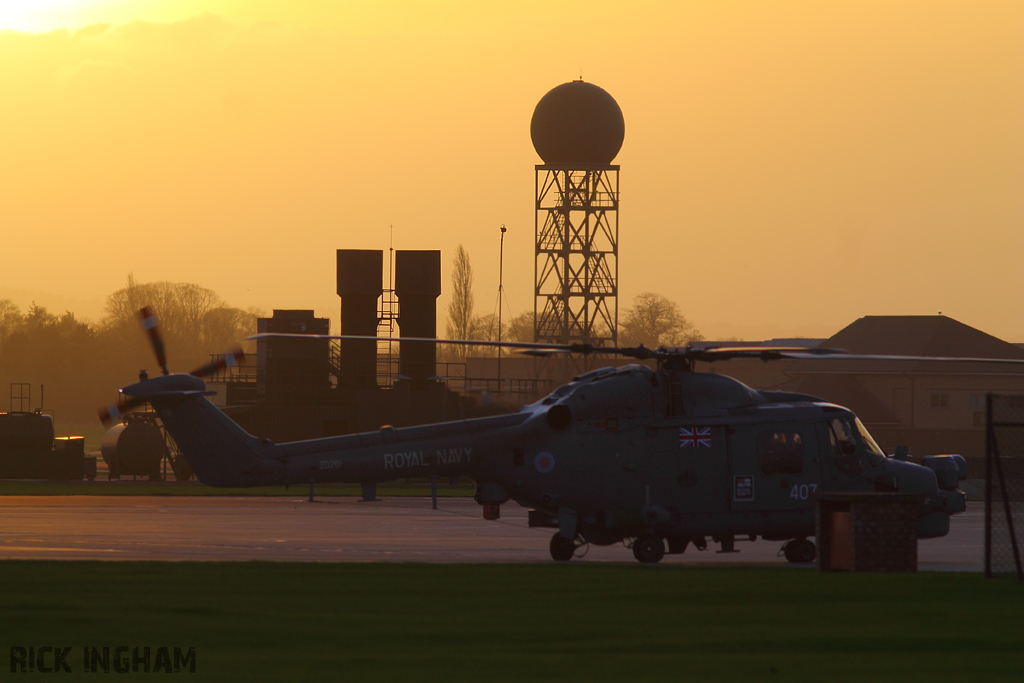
x=697 y=437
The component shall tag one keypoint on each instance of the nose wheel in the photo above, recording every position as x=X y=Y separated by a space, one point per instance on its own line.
x=649 y=549
x=800 y=551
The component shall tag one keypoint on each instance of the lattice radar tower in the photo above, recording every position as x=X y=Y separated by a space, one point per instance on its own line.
x=577 y=129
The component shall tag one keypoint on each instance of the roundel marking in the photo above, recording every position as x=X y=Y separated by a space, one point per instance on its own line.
x=544 y=462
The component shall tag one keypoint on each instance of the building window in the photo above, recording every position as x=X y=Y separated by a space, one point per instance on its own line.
x=940 y=400
x=979 y=418
x=976 y=401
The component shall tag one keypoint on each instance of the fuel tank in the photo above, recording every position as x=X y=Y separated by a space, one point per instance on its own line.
x=136 y=448
x=26 y=431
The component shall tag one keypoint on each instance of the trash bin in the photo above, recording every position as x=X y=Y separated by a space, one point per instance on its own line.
x=867 y=531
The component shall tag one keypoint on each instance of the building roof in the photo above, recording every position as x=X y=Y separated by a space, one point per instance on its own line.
x=845 y=390
x=915 y=335
x=804 y=342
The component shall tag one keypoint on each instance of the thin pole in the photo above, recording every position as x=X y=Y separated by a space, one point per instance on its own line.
x=501 y=277
x=989 y=448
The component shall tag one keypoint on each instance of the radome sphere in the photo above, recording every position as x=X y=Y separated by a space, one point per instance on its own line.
x=577 y=123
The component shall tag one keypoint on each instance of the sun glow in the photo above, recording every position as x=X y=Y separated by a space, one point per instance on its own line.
x=40 y=16
x=35 y=16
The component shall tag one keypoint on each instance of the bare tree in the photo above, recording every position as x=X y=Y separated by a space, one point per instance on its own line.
x=654 y=320
x=195 y=321
x=123 y=304
x=520 y=328
x=223 y=327
x=460 y=308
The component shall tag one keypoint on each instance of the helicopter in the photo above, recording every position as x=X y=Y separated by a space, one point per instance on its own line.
x=656 y=459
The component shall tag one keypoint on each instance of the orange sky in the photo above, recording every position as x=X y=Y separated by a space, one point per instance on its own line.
x=787 y=168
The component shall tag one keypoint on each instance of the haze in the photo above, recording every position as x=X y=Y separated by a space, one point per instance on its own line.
x=788 y=166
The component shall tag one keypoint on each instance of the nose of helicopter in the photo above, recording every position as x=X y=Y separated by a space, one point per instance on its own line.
x=938 y=505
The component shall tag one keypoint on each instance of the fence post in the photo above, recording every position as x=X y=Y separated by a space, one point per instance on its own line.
x=993 y=471
x=989 y=441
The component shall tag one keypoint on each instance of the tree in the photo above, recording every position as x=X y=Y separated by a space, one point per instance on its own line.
x=654 y=320
x=485 y=328
x=10 y=318
x=81 y=365
x=194 y=321
x=460 y=308
x=520 y=328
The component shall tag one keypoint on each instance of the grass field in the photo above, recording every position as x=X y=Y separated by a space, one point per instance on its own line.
x=320 y=622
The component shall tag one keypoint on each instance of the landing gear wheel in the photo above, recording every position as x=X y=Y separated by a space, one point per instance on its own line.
x=800 y=551
x=562 y=548
x=649 y=549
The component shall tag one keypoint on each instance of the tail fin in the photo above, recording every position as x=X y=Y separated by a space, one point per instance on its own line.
x=219 y=451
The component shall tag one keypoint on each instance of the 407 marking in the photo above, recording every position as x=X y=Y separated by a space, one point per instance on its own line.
x=802 y=491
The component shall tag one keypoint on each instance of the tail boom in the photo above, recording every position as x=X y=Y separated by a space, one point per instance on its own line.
x=222 y=454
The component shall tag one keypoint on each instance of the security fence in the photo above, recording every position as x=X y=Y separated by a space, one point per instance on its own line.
x=1004 y=485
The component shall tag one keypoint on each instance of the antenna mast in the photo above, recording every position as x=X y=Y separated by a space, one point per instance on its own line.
x=501 y=277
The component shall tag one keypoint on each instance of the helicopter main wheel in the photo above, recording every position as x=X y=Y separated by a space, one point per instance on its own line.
x=800 y=551
x=649 y=549
x=562 y=548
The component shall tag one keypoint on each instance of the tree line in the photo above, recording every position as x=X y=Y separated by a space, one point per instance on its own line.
x=652 y=320
x=82 y=363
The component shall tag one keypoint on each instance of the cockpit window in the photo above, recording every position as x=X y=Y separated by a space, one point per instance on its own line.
x=868 y=441
x=853 y=449
x=842 y=437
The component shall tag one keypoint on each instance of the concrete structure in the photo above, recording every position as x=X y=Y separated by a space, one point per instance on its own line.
x=360 y=272
x=867 y=532
x=315 y=388
x=418 y=284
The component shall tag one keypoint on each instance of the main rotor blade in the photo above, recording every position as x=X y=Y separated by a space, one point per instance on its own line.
x=684 y=353
x=149 y=323
x=767 y=353
x=544 y=353
x=939 y=359
x=574 y=348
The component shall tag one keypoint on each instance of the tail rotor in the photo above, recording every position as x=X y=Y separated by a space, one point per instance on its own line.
x=232 y=359
x=152 y=328
x=115 y=412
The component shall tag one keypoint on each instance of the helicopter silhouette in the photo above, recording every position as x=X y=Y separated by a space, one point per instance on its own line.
x=657 y=459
